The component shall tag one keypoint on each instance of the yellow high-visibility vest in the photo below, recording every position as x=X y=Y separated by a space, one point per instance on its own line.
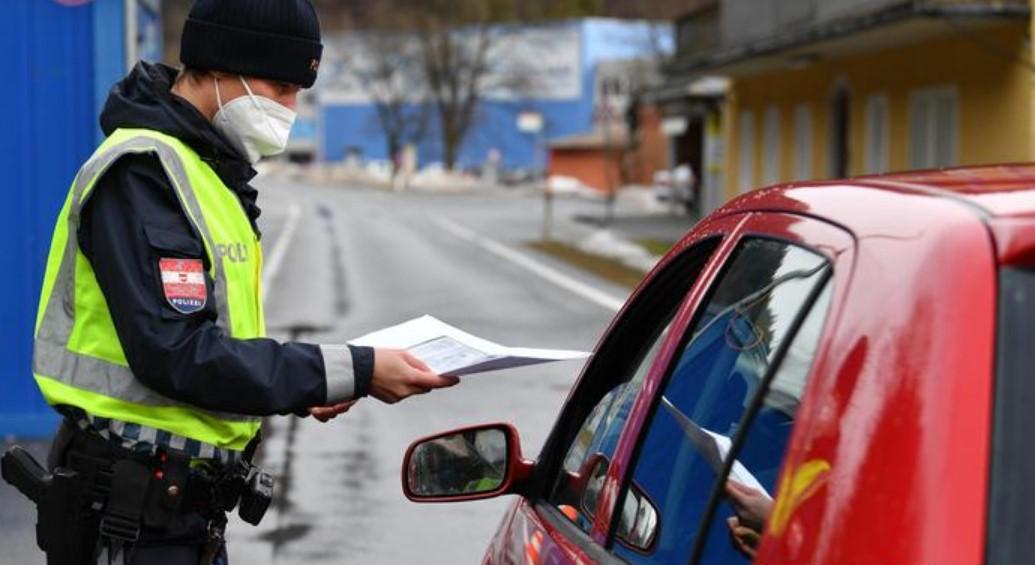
x=78 y=359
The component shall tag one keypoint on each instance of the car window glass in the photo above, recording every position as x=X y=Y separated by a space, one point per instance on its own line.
x=591 y=423
x=586 y=462
x=733 y=341
x=736 y=528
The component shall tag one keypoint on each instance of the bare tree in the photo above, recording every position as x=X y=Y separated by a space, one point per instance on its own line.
x=455 y=39
x=460 y=46
x=435 y=58
x=389 y=68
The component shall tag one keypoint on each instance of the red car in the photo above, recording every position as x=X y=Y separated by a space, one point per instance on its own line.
x=828 y=372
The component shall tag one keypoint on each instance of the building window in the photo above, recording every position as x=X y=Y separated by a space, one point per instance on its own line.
x=933 y=127
x=612 y=86
x=746 y=153
x=877 y=134
x=698 y=31
x=802 y=142
x=771 y=137
x=840 y=134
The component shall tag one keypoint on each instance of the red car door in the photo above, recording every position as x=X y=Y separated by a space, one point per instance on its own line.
x=594 y=445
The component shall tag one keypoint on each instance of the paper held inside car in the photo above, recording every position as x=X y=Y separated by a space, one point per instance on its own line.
x=714 y=448
x=451 y=351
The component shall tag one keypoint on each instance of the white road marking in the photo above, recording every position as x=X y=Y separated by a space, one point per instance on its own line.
x=279 y=251
x=594 y=295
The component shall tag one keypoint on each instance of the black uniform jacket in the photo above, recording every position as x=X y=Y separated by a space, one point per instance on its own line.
x=186 y=357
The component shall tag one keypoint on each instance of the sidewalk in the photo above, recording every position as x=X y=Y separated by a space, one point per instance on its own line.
x=636 y=232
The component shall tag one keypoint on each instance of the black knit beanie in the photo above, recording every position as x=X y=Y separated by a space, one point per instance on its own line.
x=270 y=39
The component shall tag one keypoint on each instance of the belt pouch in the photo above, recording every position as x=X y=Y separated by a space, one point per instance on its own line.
x=165 y=500
x=130 y=483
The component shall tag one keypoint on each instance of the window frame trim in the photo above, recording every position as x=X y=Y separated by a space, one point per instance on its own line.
x=833 y=242
x=1009 y=468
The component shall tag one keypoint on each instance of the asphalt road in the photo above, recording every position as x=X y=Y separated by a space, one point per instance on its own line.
x=359 y=260
x=345 y=261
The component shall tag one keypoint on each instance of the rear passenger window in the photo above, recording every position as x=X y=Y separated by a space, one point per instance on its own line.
x=739 y=332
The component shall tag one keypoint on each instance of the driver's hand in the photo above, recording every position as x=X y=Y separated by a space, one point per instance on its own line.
x=752 y=507
x=746 y=539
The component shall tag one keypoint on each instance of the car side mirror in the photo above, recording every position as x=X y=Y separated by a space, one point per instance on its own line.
x=592 y=477
x=638 y=516
x=579 y=489
x=638 y=520
x=466 y=464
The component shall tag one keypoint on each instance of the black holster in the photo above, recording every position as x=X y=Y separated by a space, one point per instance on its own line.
x=97 y=489
x=62 y=509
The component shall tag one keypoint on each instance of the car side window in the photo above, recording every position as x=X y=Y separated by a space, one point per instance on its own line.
x=591 y=424
x=589 y=456
x=746 y=511
x=728 y=352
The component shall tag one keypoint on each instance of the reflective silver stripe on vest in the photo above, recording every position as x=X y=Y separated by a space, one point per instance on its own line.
x=112 y=380
x=51 y=356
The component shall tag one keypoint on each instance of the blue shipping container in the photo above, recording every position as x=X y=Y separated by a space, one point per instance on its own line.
x=61 y=58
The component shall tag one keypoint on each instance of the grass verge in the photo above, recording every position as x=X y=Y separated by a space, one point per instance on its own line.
x=604 y=267
x=655 y=246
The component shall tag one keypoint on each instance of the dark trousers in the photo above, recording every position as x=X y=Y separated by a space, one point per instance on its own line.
x=183 y=540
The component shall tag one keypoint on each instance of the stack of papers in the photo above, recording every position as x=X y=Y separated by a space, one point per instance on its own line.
x=452 y=351
x=714 y=448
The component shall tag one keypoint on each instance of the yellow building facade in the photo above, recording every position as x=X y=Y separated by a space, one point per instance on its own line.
x=959 y=98
x=956 y=100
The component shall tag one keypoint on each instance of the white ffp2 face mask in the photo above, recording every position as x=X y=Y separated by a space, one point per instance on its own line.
x=257 y=126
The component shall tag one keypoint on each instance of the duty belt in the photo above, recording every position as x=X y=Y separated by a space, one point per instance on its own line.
x=179 y=485
x=130 y=488
x=124 y=490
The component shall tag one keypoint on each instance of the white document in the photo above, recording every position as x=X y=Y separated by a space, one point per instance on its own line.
x=451 y=351
x=715 y=448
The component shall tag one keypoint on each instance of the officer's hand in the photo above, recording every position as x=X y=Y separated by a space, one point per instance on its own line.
x=397 y=375
x=328 y=413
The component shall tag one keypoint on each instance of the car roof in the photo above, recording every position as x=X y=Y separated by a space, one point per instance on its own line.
x=927 y=202
x=1000 y=190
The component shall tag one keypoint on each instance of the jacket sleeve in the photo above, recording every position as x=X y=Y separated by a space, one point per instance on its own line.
x=133 y=220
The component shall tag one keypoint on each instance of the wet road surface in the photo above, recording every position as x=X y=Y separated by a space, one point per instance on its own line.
x=345 y=261
x=360 y=260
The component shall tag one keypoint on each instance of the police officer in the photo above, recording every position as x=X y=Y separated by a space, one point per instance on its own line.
x=150 y=335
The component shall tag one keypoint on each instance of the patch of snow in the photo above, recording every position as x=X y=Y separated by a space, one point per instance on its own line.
x=606 y=243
